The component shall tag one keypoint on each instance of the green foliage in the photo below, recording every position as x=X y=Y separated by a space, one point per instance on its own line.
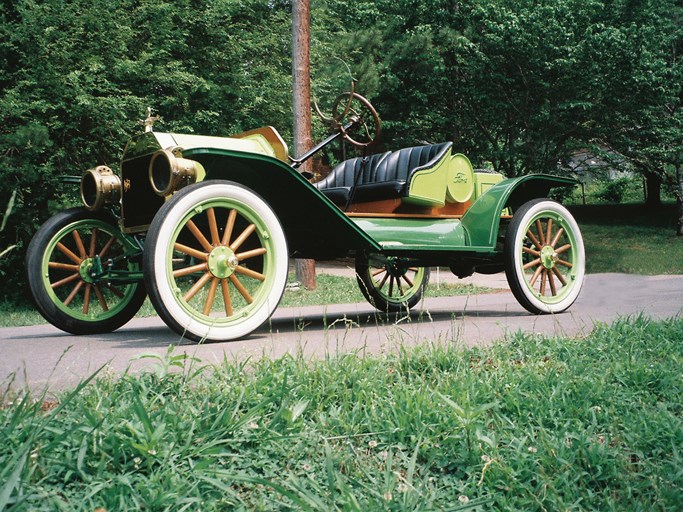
x=534 y=423
x=518 y=83
x=79 y=75
x=614 y=191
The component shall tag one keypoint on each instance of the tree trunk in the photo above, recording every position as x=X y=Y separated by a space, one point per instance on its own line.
x=301 y=105
x=653 y=185
x=679 y=197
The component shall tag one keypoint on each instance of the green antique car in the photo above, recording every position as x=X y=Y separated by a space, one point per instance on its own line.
x=206 y=226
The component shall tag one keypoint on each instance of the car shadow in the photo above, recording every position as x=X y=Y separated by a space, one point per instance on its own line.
x=288 y=321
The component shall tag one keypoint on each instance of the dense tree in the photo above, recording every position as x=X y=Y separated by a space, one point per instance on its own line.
x=516 y=84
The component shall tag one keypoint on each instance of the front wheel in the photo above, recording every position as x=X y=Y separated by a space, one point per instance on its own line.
x=68 y=263
x=391 y=284
x=215 y=261
x=544 y=257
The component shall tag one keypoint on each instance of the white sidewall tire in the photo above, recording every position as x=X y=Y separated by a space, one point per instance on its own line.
x=528 y=211
x=163 y=230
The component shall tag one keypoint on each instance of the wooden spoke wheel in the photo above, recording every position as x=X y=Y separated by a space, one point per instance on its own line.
x=215 y=261
x=67 y=264
x=391 y=285
x=544 y=257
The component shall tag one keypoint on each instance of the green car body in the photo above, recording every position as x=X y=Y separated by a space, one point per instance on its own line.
x=206 y=227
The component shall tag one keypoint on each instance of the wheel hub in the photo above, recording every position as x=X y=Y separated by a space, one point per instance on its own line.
x=548 y=257
x=86 y=270
x=222 y=262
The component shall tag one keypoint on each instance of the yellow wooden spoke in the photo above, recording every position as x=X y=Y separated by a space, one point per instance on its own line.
x=560 y=277
x=190 y=251
x=535 y=240
x=564 y=248
x=63 y=266
x=73 y=293
x=69 y=253
x=66 y=280
x=100 y=298
x=199 y=236
x=197 y=286
x=182 y=272
x=107 y=246
x=400 y=288
x=240 y=239
x=115 y=291
x=250 y=254
x=226 y=297
x=565 y=263
x=79 y=243
x=213 y=227
x=383 y=282
x=229 y=226
x=250 y=273
x=533 y=263
x=240 y=288
x=93 y=243
x=541 y=234
x=535 y=276
x=86 y=298
x=212 y=296
x=551 y=282
x=557 y=237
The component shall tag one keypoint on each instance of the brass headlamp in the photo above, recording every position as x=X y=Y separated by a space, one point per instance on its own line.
x=169 y=172
x=100 y=186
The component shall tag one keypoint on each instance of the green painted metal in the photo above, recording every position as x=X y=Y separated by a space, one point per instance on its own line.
x=222 y=262
x=315 y=227
x=460 y=180
x=312 y=223
x=482 y=220
x=415 y=234
x=428 y=186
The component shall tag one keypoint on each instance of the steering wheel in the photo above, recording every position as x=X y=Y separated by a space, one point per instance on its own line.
x=358 y=122
x=362 y=114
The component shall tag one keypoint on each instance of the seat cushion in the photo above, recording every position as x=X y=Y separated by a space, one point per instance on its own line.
x=384 y=175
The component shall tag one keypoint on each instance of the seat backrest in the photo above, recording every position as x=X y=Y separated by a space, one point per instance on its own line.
x=344 y=174
x=399 y=165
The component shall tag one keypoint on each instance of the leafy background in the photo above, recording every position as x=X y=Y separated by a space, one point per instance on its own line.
x=518 y=85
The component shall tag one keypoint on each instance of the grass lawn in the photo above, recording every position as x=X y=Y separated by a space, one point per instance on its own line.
x=532 y=423
x=631 y=239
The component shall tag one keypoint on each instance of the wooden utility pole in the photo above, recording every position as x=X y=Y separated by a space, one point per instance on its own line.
x=301 y=105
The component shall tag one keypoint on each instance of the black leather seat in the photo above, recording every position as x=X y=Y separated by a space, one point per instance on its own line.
x=384 y=175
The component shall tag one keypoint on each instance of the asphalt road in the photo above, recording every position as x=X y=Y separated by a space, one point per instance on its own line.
x=42 y=356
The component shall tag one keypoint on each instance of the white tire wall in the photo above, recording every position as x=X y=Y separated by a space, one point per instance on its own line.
x=186 y=316
x=562 y=257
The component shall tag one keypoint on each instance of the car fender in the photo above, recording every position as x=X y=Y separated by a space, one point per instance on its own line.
x=482 y=220
x=313 y=225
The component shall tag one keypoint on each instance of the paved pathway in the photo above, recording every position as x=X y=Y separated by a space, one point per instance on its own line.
x=44 y=356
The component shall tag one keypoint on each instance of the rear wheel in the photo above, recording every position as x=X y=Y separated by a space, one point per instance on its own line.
x=544 y=257
x=67 y=263
x=215 y=261
x=391 y=284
